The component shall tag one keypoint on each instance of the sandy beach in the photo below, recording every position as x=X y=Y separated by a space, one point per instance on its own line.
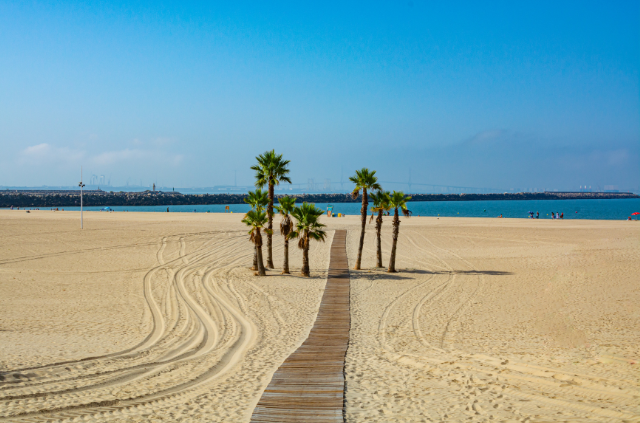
x=157 y=317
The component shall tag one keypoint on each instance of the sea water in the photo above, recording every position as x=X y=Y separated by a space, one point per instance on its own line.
x=612 y=209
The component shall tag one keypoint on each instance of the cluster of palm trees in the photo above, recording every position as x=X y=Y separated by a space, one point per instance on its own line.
x=383 y=201
x=271 y=170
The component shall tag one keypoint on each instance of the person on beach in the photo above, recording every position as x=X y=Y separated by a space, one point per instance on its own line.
x=537 y=215
x=562 y=215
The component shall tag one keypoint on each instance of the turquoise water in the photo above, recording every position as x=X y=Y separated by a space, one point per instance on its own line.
x=618 y=209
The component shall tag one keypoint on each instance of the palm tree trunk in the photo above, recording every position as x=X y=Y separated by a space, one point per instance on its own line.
x=285 y=265
x=305 y=261
x=261 y=271
x=378 y=242
x=255 y=259
x=363 y=218
x=270 y=227
x=305 y=258
x=396 y=231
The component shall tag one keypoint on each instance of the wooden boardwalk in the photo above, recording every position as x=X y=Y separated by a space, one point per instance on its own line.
x=309 y=386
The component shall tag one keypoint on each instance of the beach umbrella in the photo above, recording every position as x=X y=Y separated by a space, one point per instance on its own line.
x=634 y=214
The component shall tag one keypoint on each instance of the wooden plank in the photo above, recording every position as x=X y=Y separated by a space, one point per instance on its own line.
x=309 y=385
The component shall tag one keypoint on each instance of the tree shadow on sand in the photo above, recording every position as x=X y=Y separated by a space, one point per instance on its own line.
x=379 y=274
x=459 y=272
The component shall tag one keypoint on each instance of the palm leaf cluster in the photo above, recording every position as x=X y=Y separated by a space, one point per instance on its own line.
x=271 y=169
x=364 y=179
x=302 y=223
x=306 y=228
x=383 y=201
x=286 y=207
x=256 y=219
x=258 y=200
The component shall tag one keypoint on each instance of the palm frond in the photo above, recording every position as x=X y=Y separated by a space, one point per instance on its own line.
x=257 y=199
x=271 y=169
x=399 y=200
x=365 y=178
x=318 y=235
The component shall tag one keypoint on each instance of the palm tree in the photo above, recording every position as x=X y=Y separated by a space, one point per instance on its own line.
x=380 y=205
x=307 y=228
x=396 y=201
x=270 y=170
x=287 y=205
x=364 y=180
x=258 y=200
x=256 y=219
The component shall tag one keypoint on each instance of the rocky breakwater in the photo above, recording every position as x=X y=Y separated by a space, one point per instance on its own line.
x=71 y=198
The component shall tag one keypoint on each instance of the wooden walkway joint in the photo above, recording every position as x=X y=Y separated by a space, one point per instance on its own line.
x=309 y=385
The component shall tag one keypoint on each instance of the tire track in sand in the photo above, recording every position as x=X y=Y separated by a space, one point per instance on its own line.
x=197 y=360
x=489 y=382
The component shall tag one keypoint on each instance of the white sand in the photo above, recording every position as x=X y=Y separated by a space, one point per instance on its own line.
x=497 y=320
x=220 y=332
x=487 y=320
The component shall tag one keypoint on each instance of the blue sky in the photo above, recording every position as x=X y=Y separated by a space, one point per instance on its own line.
x=484 y=94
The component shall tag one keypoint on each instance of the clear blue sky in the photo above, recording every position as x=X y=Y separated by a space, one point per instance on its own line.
x=489 y=94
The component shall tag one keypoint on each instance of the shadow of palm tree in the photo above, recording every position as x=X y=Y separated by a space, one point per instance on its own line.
x=379 y=274
x=460 y=272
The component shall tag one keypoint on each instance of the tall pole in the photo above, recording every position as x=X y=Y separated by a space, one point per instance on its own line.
x=81 y=185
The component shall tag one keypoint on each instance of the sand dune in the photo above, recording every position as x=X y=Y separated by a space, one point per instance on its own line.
x=156 y=317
